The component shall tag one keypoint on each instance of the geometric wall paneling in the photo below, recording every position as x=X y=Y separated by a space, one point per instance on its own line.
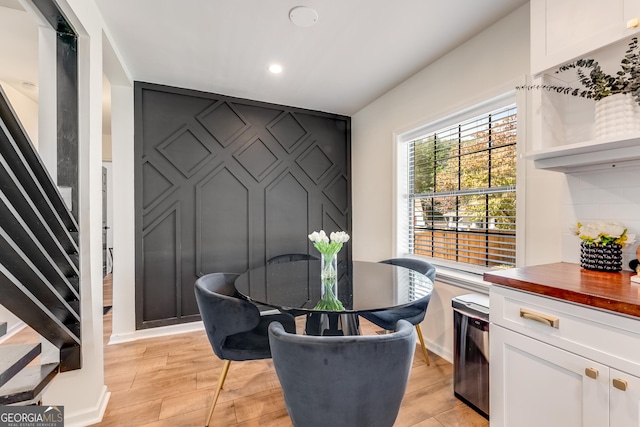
x=224 y=183
x=157 y=186
x=256 y=157
x=223 y=122
x=162 y=269
x=185 y=151
x=286 y=216
x=222 y=223
x=315 y=163
x=338 y=193
x=288 y=131
x=331 y=223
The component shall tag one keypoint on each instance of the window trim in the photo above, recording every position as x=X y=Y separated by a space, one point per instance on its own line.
x=501 y=95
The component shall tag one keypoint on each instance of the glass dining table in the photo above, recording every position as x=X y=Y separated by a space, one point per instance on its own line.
x=295 y=287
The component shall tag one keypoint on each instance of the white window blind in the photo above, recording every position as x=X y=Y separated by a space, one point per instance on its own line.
x=462 y=200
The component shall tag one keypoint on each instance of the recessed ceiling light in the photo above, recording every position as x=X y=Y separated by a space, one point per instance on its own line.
x=275 y=68
x=303 y=16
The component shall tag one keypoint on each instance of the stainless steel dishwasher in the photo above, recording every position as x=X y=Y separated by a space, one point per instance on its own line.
x=471 y=351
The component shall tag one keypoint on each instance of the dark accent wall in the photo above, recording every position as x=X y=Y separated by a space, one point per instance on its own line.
x=222 y=184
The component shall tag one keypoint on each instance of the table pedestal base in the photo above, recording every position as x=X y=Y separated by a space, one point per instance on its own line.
x=337 y=324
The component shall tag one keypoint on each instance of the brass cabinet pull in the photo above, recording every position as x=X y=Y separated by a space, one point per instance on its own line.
x=554 y=322
x=591 y=373
x=620 y=384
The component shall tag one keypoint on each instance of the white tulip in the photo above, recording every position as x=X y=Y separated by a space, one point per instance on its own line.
x=339 y=236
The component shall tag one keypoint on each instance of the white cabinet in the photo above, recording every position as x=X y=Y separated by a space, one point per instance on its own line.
x=559 y=364
x=541 y=385
x=563 y=30
x=624 y=399
x=563 y=137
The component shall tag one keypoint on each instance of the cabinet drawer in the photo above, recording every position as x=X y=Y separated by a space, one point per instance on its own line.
x=602 y=336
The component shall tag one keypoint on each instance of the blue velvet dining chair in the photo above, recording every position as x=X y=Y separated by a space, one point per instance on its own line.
x=350 y=381
x=291 y=258
x=235 y=328
x=415 y=312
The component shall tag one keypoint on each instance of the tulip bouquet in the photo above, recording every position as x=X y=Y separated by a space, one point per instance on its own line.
x=329 y=246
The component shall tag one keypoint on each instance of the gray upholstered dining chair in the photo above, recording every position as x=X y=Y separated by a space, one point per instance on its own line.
x=350 y=381
x=234 y=326
x=413 y=313
x=290 y=258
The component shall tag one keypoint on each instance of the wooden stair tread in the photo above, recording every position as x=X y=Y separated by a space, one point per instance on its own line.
x=28 y=384
x=13 y=358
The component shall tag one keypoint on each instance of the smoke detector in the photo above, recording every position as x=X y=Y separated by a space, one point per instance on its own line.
x=303 y=16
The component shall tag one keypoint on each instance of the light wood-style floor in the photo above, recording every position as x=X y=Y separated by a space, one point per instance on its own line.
x=170 y=382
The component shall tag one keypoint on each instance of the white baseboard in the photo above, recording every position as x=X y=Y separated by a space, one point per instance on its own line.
x=438 y=349
x=156 y=332
x=90 y=416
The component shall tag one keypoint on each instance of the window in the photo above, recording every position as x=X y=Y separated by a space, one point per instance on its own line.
x=462 y=200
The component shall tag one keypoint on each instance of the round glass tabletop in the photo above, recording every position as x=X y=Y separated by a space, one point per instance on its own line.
x=362 y=286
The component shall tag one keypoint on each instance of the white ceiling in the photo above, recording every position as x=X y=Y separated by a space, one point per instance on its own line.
x=357 y=50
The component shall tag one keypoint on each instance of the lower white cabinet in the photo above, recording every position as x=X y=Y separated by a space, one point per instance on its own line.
x=624 y=399
x=547 y=370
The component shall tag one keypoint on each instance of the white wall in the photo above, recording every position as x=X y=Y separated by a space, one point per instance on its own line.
x=106 y=147
x=476 y=70
x=601 y=193
x=26 y=109
x=123 y=321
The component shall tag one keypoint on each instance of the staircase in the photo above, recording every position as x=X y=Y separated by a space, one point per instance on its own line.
x=22 y=382
x=39 y=264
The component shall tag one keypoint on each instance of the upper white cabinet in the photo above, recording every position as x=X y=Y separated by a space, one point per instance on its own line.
x=563 y=30
x=563 y=134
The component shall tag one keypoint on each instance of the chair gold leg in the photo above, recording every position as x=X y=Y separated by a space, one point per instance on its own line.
x=424 y=349
x=223 y=376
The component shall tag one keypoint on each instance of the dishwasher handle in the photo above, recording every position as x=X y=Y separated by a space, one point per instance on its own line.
x=471 y=315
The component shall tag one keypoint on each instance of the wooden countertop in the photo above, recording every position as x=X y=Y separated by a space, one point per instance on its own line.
x=570 y=282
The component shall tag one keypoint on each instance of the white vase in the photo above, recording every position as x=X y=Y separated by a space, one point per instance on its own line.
x=616 y=116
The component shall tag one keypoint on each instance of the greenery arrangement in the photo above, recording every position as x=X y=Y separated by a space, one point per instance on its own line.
x=596 y=83
x=605 y=233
